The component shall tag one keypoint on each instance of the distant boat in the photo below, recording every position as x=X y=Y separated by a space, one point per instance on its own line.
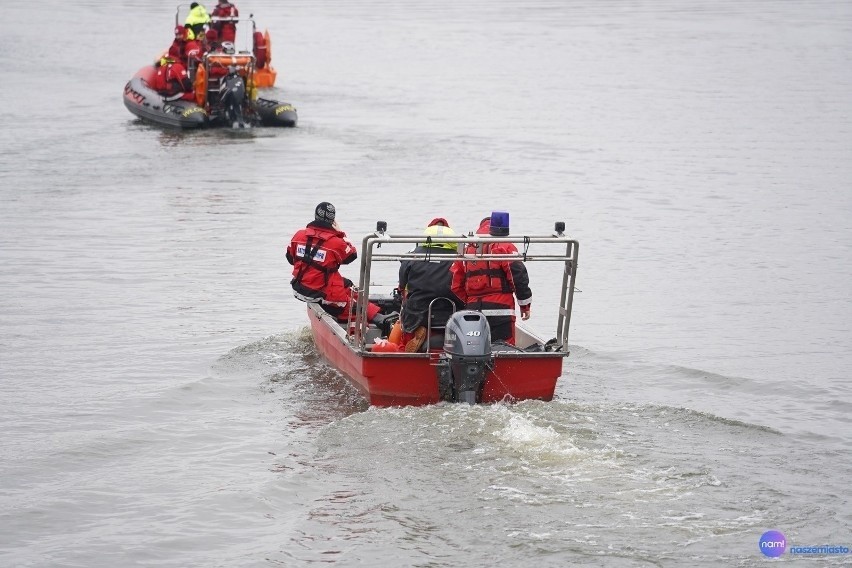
x=461 y=364
x=209 y=108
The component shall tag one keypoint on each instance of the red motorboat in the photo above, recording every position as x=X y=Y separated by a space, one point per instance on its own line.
x=460 y=364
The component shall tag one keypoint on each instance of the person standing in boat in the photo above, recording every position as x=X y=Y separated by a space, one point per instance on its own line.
x=424 y=280
x=491 y=286
x=197 y=18
x=224 y=20
x=172 y=80
x=317 y=252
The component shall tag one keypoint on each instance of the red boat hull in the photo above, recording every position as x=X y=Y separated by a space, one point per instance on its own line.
x=405 y=379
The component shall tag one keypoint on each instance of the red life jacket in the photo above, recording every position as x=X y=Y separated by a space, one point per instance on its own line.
x=193 y=51
x=491 y=286
x=226 y=10
x=486 y=277
x=171 y=79
x=227 y=30
x=160 y=84
x=488 y=284
x=317 y=252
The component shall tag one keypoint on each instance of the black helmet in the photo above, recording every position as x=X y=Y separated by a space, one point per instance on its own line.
x=324 y=212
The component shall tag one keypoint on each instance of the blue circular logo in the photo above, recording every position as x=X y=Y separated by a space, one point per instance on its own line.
x=773 y=544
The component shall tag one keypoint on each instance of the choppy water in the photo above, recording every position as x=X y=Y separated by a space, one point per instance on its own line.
x=162 y=404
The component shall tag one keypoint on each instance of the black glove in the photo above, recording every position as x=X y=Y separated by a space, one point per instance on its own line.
x=347 y=282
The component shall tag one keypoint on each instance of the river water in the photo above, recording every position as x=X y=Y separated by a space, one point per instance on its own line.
x=161 y=401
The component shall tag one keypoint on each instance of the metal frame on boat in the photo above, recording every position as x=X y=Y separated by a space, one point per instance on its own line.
x=252 y=41
x=527 y=370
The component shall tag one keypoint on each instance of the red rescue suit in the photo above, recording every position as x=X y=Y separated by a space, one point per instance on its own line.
x=194 y=52
x=227 y=30
x=491 y=286
x=172 y=79
x=317 y=252
x=176 y=49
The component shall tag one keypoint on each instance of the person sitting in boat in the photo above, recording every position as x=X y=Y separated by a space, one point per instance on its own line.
x=491 y=286
x=224 y=16
x=177 y=48
x=424 y=280
x=317 y=252
x=212 y=40
x=194 y=52
x=197 y=18
x=194 y=49
x=172 y=80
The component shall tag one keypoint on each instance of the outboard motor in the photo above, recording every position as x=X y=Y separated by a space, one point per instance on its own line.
x=233 y=96
x=467 y=354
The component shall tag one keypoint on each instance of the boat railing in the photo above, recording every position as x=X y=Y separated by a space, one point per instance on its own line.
x=182 y=10
x=430 y=320
x=568 y=253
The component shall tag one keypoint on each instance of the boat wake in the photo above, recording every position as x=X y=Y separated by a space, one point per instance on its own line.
x=289 y=365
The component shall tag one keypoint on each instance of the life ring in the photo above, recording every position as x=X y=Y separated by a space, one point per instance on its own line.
x=225 y=60
x=200 y=86
x=261 y=51
x=268 y=47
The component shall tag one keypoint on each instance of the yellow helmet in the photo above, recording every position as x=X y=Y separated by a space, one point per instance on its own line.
x=439 y=231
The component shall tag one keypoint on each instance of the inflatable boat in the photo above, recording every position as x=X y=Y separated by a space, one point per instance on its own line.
x=207 y=109
x=225 y=87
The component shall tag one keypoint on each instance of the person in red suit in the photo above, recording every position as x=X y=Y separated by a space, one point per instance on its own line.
x=212 y=39
x=176 y=49
x=172 y=80
x=226 y=28
x=317 y=252
x=194 y=51
x=492 y=286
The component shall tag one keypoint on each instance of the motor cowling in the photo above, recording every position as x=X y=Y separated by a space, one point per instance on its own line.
x=467 y=348
x=233 y=96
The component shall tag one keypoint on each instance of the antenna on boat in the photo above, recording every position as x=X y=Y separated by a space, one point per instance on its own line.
x=559 y=227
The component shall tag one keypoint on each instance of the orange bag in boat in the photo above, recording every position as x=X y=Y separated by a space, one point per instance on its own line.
x=395 y=335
